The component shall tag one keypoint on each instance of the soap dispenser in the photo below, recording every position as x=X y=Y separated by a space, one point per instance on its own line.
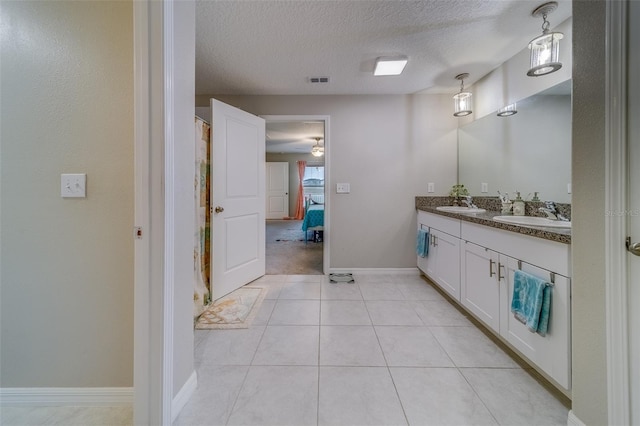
x=518 y=205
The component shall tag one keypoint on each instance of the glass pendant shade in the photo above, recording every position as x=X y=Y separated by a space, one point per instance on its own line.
x=507 y=111
x=462 y=104
x=545 y=51
x=317 y=150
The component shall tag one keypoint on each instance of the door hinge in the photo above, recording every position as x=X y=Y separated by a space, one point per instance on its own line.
x=137 y=232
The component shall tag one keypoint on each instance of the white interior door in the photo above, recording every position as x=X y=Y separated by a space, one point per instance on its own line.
x=277 y=190
x=237 y=198
x=633 y=202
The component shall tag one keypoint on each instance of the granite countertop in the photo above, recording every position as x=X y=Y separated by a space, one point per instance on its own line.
x=429 y=204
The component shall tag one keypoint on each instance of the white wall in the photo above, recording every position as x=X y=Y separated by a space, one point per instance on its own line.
x=387 y=148
x=66 y=264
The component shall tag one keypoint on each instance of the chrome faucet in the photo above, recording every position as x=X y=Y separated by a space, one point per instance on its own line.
x=552 y=212
x=468 y=200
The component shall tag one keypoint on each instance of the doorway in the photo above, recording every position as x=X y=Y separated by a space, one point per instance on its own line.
x=296 y=242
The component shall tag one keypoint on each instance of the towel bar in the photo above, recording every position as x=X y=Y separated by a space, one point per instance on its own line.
x=552 y=275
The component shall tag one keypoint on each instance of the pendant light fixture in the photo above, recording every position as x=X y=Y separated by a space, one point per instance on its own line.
x=545 y=48
x=507 y=111
x=462 y=99
x=317 y=150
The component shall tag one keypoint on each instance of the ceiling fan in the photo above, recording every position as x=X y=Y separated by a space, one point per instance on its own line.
x=317 y=150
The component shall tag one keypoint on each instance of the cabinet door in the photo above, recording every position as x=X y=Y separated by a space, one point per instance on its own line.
x=551 y=352
x=447 y=263
x=480 y=288
x=431 y=260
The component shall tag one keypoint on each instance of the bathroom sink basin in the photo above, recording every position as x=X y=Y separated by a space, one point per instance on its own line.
x=533 y=221
x=459 y=209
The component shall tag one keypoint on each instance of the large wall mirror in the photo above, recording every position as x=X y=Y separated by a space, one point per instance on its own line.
x=527 y=152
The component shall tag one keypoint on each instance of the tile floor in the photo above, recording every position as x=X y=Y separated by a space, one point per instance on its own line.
x=387 y=350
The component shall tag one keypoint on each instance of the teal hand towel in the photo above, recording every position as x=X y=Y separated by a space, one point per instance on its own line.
x=422 y=243
x=531 y=302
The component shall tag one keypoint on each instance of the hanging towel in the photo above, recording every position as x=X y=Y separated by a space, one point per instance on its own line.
x=531 y=303
x=422 y=243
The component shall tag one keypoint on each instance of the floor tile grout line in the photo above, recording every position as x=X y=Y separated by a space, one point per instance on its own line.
x=235 y=400
x=404 y=412
x=478 y=395
x=384 y=356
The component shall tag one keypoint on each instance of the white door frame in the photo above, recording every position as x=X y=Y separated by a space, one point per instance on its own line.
x=616 y=227
x=154 y=195
x=327 y=173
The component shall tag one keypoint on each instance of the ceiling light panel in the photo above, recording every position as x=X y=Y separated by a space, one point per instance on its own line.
x=390 y=65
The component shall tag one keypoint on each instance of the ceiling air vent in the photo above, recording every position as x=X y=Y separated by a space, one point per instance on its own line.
x=318 y=79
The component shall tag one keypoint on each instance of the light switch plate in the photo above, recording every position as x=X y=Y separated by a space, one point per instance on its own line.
x=485 y=187
x=73 y=185
x=343 y=188
x=431 y=187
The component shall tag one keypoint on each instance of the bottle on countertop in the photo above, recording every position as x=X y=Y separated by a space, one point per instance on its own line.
x=506 y=203
x=518 y=205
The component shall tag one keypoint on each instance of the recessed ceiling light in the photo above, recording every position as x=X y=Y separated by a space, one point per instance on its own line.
x=390 y=65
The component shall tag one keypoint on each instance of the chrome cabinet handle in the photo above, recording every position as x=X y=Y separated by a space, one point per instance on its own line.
x=632 y=248
x=491 y=263
x=219 y=209
x=500 y=266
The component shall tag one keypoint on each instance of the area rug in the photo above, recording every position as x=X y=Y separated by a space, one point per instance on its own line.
x=235 y=310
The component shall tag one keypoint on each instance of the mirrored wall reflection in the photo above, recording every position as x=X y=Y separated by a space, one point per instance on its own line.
x=527 y=152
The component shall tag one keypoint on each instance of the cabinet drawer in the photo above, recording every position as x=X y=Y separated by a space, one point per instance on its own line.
x=550 y=255
x=442 y=223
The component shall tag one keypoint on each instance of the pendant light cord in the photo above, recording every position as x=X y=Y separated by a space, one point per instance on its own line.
x=545 y=24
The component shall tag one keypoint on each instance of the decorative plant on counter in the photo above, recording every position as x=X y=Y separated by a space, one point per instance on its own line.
x=458 y=191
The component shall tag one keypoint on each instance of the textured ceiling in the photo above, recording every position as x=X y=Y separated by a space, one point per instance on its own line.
x=272 y=47
x=293 y=136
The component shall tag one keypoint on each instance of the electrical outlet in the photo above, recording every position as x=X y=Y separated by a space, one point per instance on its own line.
x=485 y=187
x=73 y=185
x=343 y=188
x=431 y=187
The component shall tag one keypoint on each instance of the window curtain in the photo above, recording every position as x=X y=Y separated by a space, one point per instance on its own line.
x=202 y=288
x=300 y=201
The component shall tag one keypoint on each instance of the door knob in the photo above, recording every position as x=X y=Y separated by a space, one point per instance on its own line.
x=633 y=248
x=219 y=209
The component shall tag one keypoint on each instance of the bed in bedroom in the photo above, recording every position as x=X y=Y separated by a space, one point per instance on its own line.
x=313 y=217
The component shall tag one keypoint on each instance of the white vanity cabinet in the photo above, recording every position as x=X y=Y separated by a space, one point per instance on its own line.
x=476 y=265
x=487 y=277
x=442 y=264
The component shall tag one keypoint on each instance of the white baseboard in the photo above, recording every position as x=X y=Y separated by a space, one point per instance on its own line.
x=83 y=397
x=408 y=271
x=572 y=420
x=183 y=396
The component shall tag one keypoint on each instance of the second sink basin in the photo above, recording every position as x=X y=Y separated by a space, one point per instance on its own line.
x=533 y=221
x=459 y=209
